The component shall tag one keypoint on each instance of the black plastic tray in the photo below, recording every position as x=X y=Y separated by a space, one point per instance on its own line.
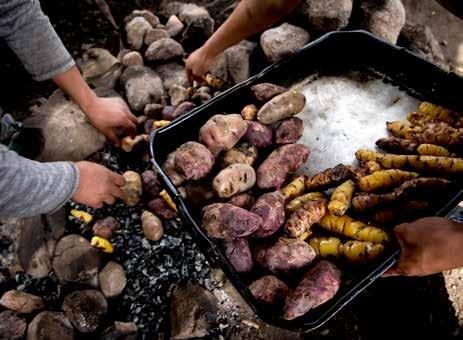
x=332 y=52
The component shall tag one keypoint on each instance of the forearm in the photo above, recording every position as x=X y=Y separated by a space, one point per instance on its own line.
x=30 y=188
x=249 y=17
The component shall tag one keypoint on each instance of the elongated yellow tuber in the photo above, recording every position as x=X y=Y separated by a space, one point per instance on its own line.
x=166 y=197
x=298 y=202
x=160 y=124
x=295 y=188
x=102 y=243
x=82 y=215
x=341 y=198
x=385 y=179
x=303 y=218
x=353 y=251
x=433 y=150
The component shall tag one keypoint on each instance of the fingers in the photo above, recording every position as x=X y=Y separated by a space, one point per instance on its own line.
x=131 y=116
x=129 y=126
x=110 y=200
x=111 y=135
x=189 y=74
x=117 y=179
x=116 y=192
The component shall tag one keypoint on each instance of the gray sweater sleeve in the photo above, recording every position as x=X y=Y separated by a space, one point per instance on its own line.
x=29 y=33
x=29 y=188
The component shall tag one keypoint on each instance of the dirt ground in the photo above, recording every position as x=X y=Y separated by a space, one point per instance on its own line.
x=392 y=307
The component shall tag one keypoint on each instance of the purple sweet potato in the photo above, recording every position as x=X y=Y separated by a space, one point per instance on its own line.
x=224 y=220
x=193 y=160
x=244 y=201
x=170 y=113
x=258 y=134
x=269 y=289
x=271 y=207
x=289 y=131
x=171 y=172
x=281 y=163
x=285 y=255
x=151 y=184
x=159 y=207
x=234 y=179
x=266 y=91
x=318 y=286
x=222 y=132
x=148 y=126
x=239 y=254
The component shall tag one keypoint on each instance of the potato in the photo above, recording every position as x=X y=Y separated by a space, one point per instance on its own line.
x=171 y=172
x=282 y=106
x=249 y=112
x=318 y=286
x=177 y=111
x=105 y=227
x=199 y=193
x=258 y=134
x=151 y=184
x=244 y=201
x=223 y=220
x=152 y=226
x=193 y=160
x=238 y=253
x=132 y=189
x=271 y=207
x=281 y=163
x=266 y=91
x=269 y=289
x=159 y=207
x=242 y=153
x=222 y=132
x=289 y=131
x=168 y=112
x=234 y=179
x=285 y=255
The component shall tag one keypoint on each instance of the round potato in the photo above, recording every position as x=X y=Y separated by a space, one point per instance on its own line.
x=234 y=179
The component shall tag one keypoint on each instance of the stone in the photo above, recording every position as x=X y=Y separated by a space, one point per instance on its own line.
x=76 y=261
x=132 y=58
x=155 y=34
x=169 y=8
x=325 y=16
x=383 y=18
x=120 y=330
x=12 y=326
x=192 y=311
x=178 y=94
x=10 y=234
x=136 y=30
x=21 y=302
x=238 y=61
x=174 y=26
x=171 y=74
x=142 y=86
x=163 y=50
x=199 y=26
x=219 y=68
x=100 y=68
x=85 y=309
x=37 y=242
x=147 y=15
x=68 y=134
x=105 y=227
x=50 y=326
x=421 y=40
x=112 y=280
x=283 y=41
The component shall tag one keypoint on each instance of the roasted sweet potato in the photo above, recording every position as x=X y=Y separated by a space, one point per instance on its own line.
x=329 y=178
x=258 y=134
x=320 y=284
x=283 y=106
x=242 y=153
x=266 y=91
x=159 y=207
x=244 y=201
x=238 y=253
x=269 y=289
x=151 y=184
x=281 y=163
x=285 y=255
x=289 y=131
x=234 y=179
x=169 y=168
x=270 y=207
x=302 y=219
x=193 y=160
x=222 y=132
x=224 y=220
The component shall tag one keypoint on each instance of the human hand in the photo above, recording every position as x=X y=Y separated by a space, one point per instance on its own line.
x=97 y=185
x=429 y=245
x=110 y=115
x=198 y=63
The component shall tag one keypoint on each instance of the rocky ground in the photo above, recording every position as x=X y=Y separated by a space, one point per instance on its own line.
x=171 y=277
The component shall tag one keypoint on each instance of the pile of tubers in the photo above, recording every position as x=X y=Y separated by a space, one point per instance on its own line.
x=240 y=175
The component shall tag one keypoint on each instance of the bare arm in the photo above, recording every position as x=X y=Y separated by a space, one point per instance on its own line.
x=249 y=17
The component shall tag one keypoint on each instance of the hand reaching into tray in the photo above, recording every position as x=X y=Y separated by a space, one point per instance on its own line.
x=429 y=245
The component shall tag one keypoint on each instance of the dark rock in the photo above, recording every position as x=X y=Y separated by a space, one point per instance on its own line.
x=120 y=331
x=112 y=280
x=199 y=26
x=219 y=68
x=178 y=94
x=105 y=227
x=192 y=311
x=325 y=16
x=171 y=74
x=282 y=41
x=132 y=58
x=12 y=326
x=147 y=15
x=155 y=34
x=142 y=86
x=85 y=309
x=21 y=302
x=136 y=30
x=50 y=326
x=163 y=50
x=76 y=261
x=174 y=26
x=100 y=68
x=238 y=63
